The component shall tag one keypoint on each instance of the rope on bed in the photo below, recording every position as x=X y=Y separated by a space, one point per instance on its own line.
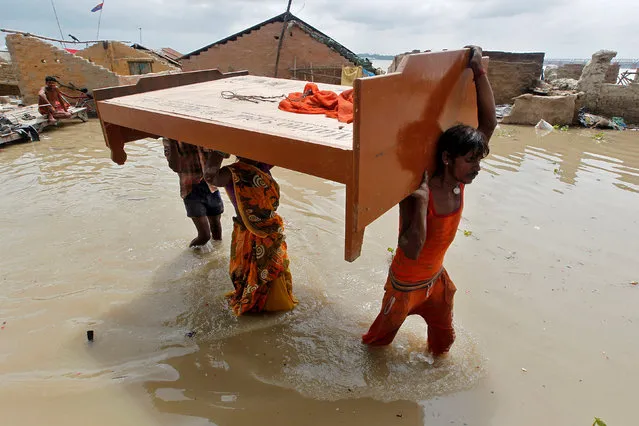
x=227 y=94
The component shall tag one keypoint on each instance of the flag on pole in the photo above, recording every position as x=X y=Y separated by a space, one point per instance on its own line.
x=98 y=7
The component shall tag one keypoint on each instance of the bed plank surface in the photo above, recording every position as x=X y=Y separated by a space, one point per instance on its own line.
x=204 y=102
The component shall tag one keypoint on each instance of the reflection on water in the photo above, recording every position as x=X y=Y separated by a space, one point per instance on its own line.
x=569 y=155
x=87 y=244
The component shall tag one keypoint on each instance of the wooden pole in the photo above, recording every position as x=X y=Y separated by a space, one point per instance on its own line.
x=287 y=15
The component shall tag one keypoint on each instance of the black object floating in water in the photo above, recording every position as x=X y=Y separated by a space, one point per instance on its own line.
x=90 y=335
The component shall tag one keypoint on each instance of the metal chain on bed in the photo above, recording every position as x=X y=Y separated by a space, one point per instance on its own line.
x=227 y=94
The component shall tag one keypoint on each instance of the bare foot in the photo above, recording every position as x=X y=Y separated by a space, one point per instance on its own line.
x=436 y=357
x=441 y=360
x=199 y=241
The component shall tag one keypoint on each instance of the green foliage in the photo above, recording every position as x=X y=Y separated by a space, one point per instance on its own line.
x=563 y=128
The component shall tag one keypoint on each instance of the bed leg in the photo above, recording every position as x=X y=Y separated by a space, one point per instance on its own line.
x=354 y=241
x=354 y=238
x=115 y=142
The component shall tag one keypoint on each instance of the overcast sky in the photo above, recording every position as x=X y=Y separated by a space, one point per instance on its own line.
x=561 y=28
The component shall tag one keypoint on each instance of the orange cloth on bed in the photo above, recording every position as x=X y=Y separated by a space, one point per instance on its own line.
x=315 y=101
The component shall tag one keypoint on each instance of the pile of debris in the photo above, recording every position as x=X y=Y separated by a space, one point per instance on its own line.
x=18 y=122
x=562 y=100
x=25 y=123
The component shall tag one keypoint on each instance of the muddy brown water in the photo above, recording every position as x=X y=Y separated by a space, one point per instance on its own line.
x=546 y=312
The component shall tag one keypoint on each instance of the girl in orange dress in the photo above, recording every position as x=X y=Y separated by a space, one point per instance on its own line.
x=417 y=283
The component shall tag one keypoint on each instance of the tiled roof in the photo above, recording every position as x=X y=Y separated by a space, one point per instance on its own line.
x=171 y=53
x=160 y=54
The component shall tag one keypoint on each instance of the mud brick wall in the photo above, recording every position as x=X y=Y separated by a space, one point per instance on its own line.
x=570 y=71
x=536 y=57
x=8 y=73
x=619 y=101
x=512 y=74
x=511 y=79
x=9 y=89
x=256 y=52
x=613 y=73
x=8 y=80
x=35 y=59
x=574 y=71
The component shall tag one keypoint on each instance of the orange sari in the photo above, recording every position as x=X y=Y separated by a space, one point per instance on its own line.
x=259 y=265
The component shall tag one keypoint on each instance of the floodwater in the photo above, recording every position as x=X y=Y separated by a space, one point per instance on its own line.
x=546 y=311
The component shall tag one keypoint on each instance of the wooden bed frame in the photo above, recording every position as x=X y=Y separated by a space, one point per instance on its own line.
x=380 y=158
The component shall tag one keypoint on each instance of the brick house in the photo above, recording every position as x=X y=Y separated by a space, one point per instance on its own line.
x=127 y=60
x=306 y=54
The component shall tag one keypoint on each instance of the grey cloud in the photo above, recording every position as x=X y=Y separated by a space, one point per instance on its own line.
x=559 y=27
x=383 y=16
x=513 y=8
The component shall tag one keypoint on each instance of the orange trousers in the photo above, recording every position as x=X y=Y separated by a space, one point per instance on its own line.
x=434 y=304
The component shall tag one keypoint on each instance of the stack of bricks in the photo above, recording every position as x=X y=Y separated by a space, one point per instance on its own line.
x=35 y=59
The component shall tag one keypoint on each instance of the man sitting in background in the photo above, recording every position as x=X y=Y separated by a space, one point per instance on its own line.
x=50 y=101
